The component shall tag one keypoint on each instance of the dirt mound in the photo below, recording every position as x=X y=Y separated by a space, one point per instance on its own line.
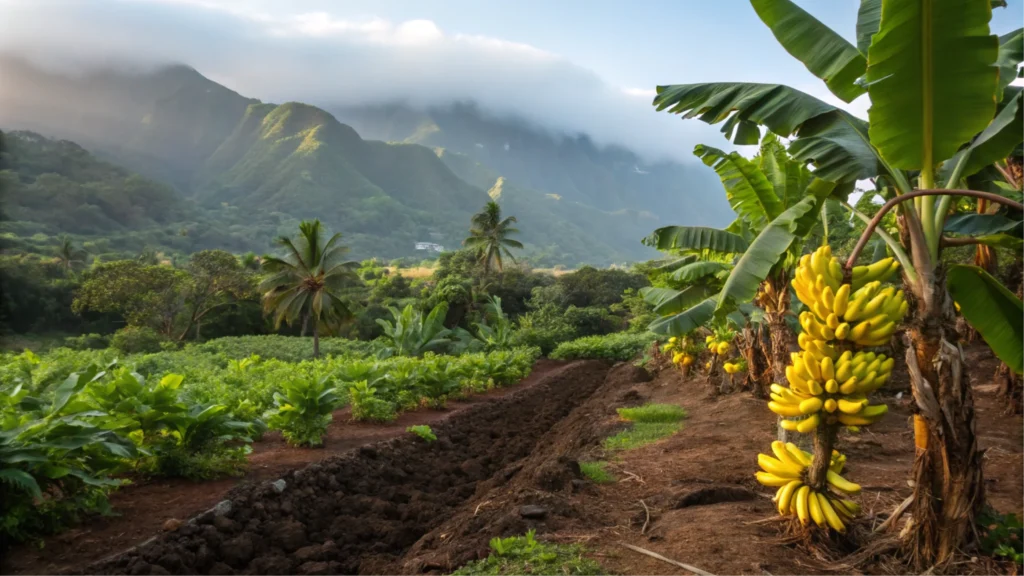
x=352 y=513
x=537 y=492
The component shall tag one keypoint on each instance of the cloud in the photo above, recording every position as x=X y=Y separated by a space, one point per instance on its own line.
x=320 y=58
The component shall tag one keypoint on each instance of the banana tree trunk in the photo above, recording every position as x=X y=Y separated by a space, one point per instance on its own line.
x=774 y=299
x=947 y=474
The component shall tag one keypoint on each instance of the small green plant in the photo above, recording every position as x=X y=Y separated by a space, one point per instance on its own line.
x=303 y=411
x=423 y=431
x=596 y=472
x=525 y=555
x=1002 y=535
x=366 y=405
x=653 y=413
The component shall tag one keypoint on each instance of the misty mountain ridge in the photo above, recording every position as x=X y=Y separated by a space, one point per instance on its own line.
x=388 y=177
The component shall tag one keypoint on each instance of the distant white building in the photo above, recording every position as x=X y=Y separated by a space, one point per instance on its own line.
x=429 y=246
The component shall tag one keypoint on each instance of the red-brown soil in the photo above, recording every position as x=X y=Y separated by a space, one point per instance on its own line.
x=703 y=506
x=405 y=507
x=142 y=509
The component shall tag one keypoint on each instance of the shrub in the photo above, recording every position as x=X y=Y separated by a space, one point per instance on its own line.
x=621 y=346
x=366 y=405
x=423 y=431
x=87 y=342
x=303 y=410
x=1002 y=535
x=411 y=333
x=136 y=340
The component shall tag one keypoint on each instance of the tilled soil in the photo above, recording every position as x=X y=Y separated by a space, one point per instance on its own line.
x=348 y=513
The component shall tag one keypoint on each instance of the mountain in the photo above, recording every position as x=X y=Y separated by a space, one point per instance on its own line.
x=389 y=178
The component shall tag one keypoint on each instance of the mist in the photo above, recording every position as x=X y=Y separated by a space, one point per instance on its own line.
x=330 y=62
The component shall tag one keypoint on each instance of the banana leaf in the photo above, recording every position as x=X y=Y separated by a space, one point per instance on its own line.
x=995 y=312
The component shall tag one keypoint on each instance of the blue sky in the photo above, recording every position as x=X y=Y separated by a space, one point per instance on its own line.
x=578 y=65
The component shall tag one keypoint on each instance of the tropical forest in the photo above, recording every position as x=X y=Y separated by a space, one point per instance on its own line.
x=460 y=305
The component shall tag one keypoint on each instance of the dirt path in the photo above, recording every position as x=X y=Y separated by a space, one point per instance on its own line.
x=142 y=509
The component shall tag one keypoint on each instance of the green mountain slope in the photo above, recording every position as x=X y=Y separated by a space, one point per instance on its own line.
x=253 y=169
x=61 y=187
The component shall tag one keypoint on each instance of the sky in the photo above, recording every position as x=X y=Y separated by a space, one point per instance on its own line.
x=586 y=66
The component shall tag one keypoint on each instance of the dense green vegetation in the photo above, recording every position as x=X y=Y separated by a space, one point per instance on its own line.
x=525 y=555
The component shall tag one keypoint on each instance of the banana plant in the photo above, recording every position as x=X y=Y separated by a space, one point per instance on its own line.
x=942 y=110
x=411 y=333
x=777 y=202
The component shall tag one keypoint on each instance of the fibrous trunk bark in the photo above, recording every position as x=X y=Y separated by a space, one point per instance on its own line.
x=947 y=474
x=774 y=299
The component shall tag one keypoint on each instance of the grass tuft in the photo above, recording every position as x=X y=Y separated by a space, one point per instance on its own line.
x=525 y=555
x=596 y=473
x=641 y=434
x=653 y=413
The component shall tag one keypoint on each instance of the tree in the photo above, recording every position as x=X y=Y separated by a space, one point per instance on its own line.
x=777 y=202
x=942 y=111
x=216 y=279
x=304 y=283
x=152 y=296
x=489 y=235
x=69 y=256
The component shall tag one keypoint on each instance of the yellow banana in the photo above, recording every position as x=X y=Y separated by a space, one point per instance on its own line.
x=842 y=484
x=771 y=479
x=828 y=298
x=789 y=425
x=828 y=371
x=815 y=508
x=808 y=424
x=802 y=508
x=849 y=386
x=874 y=411
x=785 y=409
x=832 y=321
x=850 y=406
x=798 y=454
x=855 y=420
x=852 y=507
x=811 y=405
x=858 y=332
x=786 y=496
x=778 y=467
x=779 y=449
x=829 y=513
x=830 y=404
x=835 y=270
x=842 y=331
x=842 y=300
x=832 y=386
x=844 y=369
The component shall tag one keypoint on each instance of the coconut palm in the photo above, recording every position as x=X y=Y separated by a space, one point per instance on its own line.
x=304 y=283
x=489 y=235
x=942 y=112
x=69 y=256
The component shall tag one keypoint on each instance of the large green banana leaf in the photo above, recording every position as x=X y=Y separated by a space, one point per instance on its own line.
x=834 y=140
x=1011 y=54
x=764 y=253
x=992 y=310
x=826 y=54
x=687 y=321
x=696 y=238
x=789 y=178
x=932 y=79
x=677 y=263
x=995 y=142
x=693 y=272
x=667 y=301
x=1002 y=241
x=868 y=17
x=972 y=224
x=748 y=190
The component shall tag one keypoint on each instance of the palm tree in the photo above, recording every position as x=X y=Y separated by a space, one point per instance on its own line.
x=490 y=236
x=304 y=283
x=68 y=255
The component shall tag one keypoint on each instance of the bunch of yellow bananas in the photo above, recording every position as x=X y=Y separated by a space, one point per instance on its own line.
x=833 y=390
x=787 y=471
x=682 y=359
x=863 y=313
x=731 y=368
